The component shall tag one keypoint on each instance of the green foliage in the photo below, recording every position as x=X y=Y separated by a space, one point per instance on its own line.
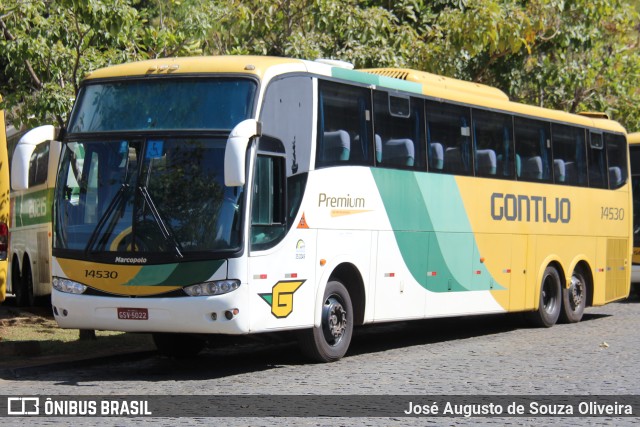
x=573 y=55
x=49 y=45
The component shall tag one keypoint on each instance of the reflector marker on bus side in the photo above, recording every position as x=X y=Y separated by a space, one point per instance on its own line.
x=291 y=275
x=507 y=270
x=478 y=272
x=259 y=276
x=389 y=274
x=432 y=273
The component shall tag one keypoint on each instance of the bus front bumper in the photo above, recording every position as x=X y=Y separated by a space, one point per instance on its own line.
x=201 y=315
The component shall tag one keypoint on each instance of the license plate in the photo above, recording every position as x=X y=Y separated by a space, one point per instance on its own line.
x=133 y=313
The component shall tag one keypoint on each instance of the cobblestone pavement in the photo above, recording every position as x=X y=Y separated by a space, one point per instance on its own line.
x=463 y=356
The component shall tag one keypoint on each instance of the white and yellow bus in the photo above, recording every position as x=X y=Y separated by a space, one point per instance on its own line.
x=34 y=164
x=4 y=206
x=634 y=153
x=240 y=195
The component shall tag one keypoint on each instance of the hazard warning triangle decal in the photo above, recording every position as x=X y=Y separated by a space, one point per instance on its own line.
x=303 y=222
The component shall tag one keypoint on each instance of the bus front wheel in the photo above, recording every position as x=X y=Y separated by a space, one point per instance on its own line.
x=331 y=340
x=574 y=299
x=550 y=302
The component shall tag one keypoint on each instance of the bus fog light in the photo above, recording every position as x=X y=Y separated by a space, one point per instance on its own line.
x=217 y=287
x=68 y=286
x=229 y=314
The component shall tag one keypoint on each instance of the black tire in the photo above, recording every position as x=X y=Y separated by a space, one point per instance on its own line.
x=574 y=299
x=178 y=345
x=24 y=291
x=330 y=341
x=27 y=285
x=550 y=303
x=16 y=284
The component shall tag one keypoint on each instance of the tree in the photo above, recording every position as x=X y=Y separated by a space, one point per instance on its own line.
x=49 y=45
x=573 y=55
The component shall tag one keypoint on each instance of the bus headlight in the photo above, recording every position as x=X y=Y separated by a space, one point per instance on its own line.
x=68 y=286
x=218 y=287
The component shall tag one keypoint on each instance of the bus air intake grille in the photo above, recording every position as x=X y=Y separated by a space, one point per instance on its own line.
x=394 y=74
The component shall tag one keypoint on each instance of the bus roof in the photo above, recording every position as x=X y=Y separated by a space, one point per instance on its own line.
x=256 y=65
x=634 y=138
x=434 y=80
x=432 y=85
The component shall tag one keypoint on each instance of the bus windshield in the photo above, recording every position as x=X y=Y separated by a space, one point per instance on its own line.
x=163 y=104
x=146 y=196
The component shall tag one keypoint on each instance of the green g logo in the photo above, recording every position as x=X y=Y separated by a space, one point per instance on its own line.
x=281 y=297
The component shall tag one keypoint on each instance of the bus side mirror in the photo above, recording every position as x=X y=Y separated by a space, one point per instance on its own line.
x=236 y=150
x=23 y=152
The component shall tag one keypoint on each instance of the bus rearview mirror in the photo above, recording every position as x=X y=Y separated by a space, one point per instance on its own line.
x=235 y=152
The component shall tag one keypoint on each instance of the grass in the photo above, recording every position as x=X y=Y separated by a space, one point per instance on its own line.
x=28 y=338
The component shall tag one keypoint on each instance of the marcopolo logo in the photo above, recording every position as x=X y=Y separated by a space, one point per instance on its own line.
x=281 y=297
x=122 y=260
x=523 y=208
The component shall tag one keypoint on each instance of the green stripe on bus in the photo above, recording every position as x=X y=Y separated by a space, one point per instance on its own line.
x=33 y=208
x=152 y=275
x=177 y=274
x=373 y=79
x=193 y=272
x=414 y=206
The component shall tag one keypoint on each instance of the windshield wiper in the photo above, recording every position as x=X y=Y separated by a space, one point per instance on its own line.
x=118 y=202
x=162 y=225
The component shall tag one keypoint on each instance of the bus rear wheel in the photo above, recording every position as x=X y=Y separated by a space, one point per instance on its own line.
x=16 y=284
x=550 y=302
x=24 y=289
x=574 y=299
x=178 y=345
x=331 y=340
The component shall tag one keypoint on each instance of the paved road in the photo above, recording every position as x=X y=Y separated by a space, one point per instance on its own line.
x=470 y=356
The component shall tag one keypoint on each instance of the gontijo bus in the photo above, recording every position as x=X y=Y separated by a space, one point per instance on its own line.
x=33 y=174
x=634 y=150
x=237 y=195
x=4 y=206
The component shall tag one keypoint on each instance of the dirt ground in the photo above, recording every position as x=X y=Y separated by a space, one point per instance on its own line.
x=31 y=337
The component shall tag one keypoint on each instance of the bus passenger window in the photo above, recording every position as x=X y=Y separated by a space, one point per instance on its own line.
x=398 y=123
x=617 y=156
x=448 y=126
x=569 y=158
x=493 y=136
x=533 y=150
x=344 y=125
x=597 y=161
x=39 y=164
